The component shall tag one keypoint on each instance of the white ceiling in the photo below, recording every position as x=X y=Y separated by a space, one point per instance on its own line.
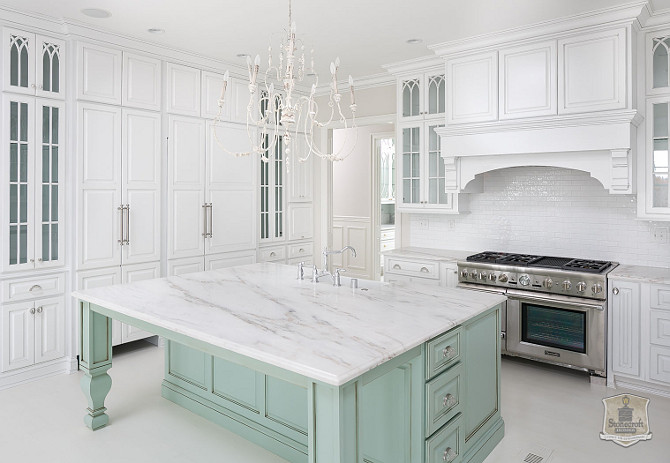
x=365 y=34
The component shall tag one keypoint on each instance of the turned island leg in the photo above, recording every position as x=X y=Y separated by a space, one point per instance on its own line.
x=96 y=359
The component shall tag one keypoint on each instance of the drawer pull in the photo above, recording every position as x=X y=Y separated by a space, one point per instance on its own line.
x=301 y=250
x=448 y=352
x=272 y=254
x=424 y=270
x=35 y=287
x=396 y=267
x=449 y=455
x=449 y=401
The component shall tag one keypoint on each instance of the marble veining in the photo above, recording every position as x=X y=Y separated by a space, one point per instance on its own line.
x=659 y=275
x=330 y=334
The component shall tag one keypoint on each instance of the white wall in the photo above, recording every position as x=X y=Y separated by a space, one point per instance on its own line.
x=548 y=211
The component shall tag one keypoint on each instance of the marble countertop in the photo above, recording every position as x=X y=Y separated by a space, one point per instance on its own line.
x=446 y=255
x=327 y=333
x=657 y=275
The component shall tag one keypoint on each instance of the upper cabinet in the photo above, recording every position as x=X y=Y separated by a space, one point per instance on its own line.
x=528 y=81
x=183 y=90
x=421 y=95
x=472 y=88
x=592 y=72
x=99 y=74
x=141 y=82
x=33 y=64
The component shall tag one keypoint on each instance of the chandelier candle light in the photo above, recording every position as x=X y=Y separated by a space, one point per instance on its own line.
x=273 y=116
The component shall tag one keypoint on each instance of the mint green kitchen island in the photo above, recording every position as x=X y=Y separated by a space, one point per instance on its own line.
x=314 y=372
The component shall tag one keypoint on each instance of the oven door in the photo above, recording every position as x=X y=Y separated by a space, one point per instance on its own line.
x=557 y=329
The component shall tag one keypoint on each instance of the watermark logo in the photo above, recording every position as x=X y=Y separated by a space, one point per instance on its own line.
x=626 y=421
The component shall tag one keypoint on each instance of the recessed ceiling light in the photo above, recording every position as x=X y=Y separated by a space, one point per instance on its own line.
x=155 y=30
x=414 y=41
x=96 y=13
x=243 y=55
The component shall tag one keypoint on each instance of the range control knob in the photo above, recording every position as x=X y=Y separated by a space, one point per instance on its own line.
x=502 y=278
x=524 y=280
x=473 y=275
x=482 y=276
x=567 y=285
x=597 y=288
x=581 y=286
x=464 y=273
x=492 y=277
x=548 y=283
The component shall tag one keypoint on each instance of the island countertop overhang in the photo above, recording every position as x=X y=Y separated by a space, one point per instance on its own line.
x=326 y=333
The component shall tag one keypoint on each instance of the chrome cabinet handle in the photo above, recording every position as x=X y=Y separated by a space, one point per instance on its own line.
x=615 y=291
x=35 y=287
x=207 y=220
x=448 y=352
x=396 y=267
x=32 y=311
x=211 y=218
x=449 y=455
x=127 y=223
x=39 y=309
x=121 y=240
x=449 y=401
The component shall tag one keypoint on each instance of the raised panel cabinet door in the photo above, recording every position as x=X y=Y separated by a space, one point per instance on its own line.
x=187 y=211
x=659 y=365
x=232 y=221
x=472 y=88
x=132 y=274
x=99 y=215
x=50 y=67
x=141 y=82
x=49 y=183
x=18 y=224
x=183 y=90
x=224 y=169
x=229 y=259
x=49 y=329
x=237 y=384
x=18 y=335
x=176 y=267
x=592 y=72
x=528 y=81
x=286 y=404
x=141 y=187
x=212 y=84
x=300 y=172
x=99 y=74
x=18 y=61
x=624 y=305
x=89 y=279
x=300 y=221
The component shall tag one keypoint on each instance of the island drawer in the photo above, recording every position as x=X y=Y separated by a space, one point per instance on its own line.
x=447 y=444
x=443 y=351
x=31 y=288
x=443 y=398
x=427 y=270
x=660 y=297
x=300 y=250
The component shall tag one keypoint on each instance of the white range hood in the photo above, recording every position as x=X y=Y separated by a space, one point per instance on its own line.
x=599 y=143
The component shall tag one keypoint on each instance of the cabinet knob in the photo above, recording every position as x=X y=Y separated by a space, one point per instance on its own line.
x=39 y=309
x=449 y=455
x=32 y=311
x=449 y=401
x=615 y=291
x=272 y=254
x=448 y=352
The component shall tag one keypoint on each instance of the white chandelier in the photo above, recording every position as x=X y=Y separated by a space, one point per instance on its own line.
x=287 y=115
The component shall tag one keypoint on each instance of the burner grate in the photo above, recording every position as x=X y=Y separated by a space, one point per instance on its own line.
x=590 y=266
x=487 y=256
x=552 y=262
x=520 y=259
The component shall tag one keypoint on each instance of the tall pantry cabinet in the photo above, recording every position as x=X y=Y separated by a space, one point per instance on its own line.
x=118 y=171
x=32 y=165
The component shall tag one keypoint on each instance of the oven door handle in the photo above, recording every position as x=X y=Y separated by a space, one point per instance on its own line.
x=524 y=296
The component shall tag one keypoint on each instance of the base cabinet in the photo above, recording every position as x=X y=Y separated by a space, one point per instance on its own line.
x=437 y=402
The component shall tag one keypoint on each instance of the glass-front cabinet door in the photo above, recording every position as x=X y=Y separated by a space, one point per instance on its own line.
x=33 y=64
x=656 y=166
x=421 y=96
x=33 y=236
x=272 y=191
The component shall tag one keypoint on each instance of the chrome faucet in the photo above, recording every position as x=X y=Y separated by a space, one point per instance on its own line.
x=316 y=274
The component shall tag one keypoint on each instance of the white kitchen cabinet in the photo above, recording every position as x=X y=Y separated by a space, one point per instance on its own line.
x=421 y=172
x=300 y=173
x=230 y=259
x=449 y=274
x=421 y=94
x=528 y=81
x=33 y=332
x=300 y=219
x=99 y=74
x=624 y=311
x=33 y=197
x=119 y=186
x=212 y=193
x=141 y=82
x=592 y=72
x=212 y=83
x=185 y=265
x=33 y=64
x=472 y=88
x=657 y=62
x=273 y=195
x=183 y=90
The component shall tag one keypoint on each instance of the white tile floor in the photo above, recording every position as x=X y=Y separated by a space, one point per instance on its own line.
x=544 y=409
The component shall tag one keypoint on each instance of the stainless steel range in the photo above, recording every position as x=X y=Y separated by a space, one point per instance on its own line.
x=556 y=306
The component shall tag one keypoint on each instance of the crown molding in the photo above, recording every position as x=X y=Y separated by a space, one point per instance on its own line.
x=621 y=14
x=363 y=83
x=39 y=22
x=413 y=64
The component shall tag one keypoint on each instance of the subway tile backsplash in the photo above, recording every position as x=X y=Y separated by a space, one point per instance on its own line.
x=548 y=211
